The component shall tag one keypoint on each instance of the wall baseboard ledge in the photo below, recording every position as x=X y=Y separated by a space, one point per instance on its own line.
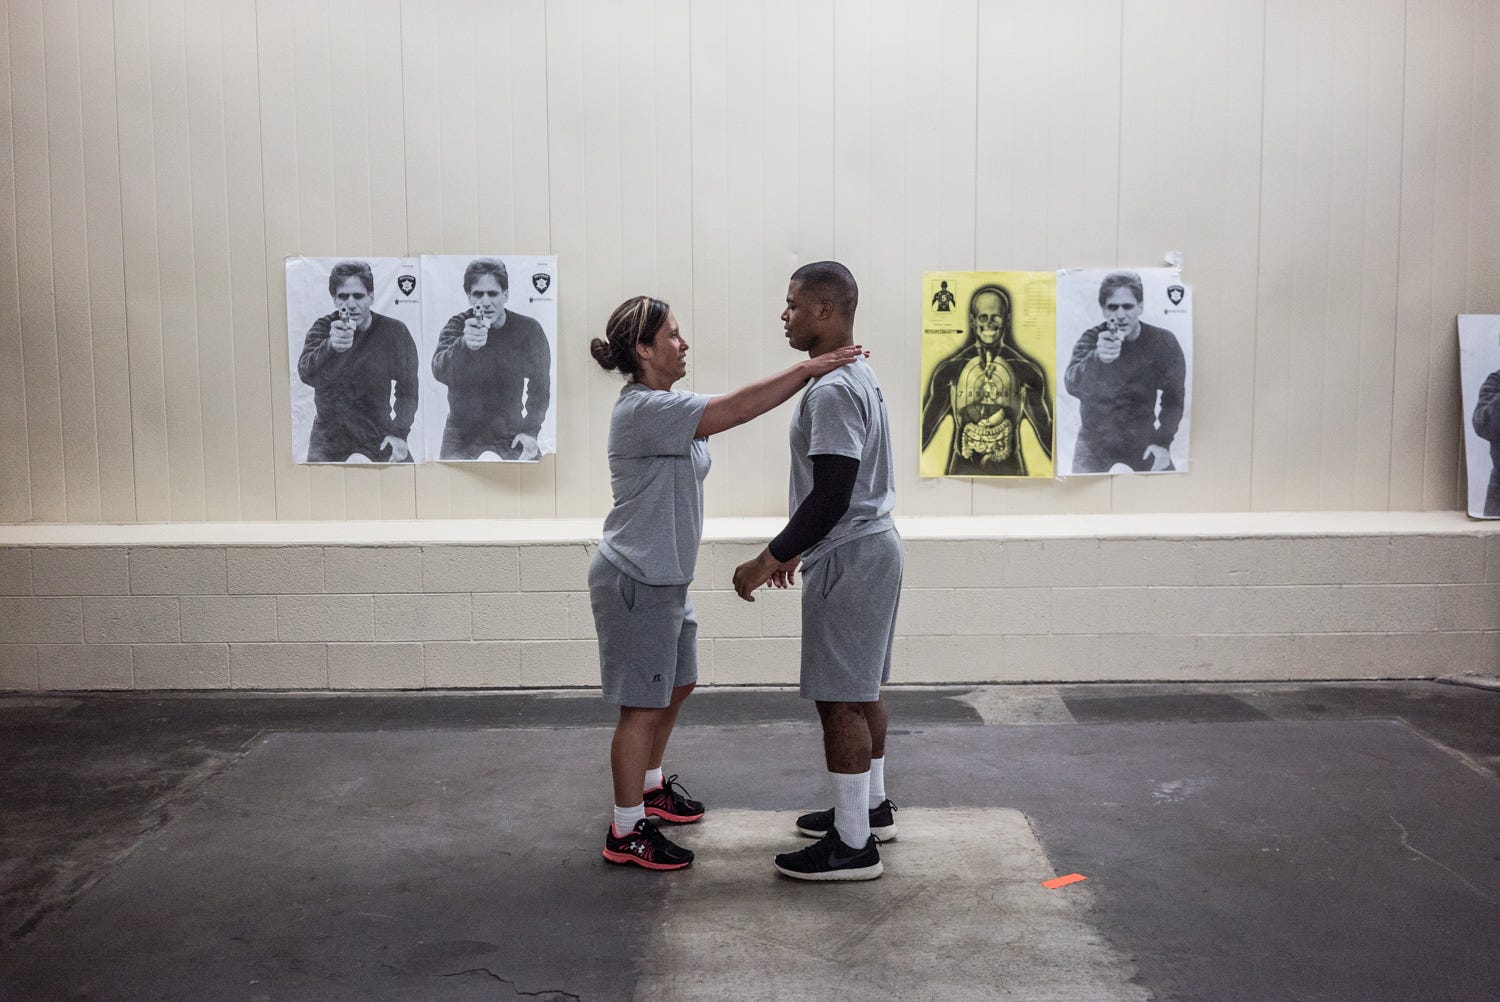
x=1193 y=525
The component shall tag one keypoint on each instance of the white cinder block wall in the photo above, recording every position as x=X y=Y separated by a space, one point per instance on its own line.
x=1356 y=596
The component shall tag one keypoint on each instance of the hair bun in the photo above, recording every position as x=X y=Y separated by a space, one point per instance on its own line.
x=603 y=354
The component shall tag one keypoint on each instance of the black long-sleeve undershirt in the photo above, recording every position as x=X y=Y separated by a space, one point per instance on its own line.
x=820 y=511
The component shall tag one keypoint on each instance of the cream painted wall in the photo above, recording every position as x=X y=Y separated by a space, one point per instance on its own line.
x=1331 y=172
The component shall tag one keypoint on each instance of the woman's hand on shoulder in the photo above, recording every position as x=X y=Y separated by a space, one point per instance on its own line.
x=839 y=357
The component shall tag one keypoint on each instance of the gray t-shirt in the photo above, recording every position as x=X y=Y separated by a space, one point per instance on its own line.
x=843 y=414
x=656 y=471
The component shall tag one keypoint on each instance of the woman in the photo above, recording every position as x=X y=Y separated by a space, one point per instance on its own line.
x=658 y=457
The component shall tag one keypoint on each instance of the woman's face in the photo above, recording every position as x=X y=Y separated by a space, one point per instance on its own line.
x=665 y=358
x=486 y=297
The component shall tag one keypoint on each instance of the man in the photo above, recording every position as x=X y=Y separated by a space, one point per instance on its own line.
x=497 y=366
x=988 y=387
x=842 y=533
x=1487 y=426
x=1118 y=371
x=353 y=358
x=943 y=299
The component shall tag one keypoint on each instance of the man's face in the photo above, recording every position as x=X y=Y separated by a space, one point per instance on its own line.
x=353 y=301
x=486 y=297
x=799 y=318
x=987 y=318
x=1122 y=311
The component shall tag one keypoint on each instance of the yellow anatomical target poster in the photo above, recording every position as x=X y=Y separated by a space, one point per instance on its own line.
x=989 y=361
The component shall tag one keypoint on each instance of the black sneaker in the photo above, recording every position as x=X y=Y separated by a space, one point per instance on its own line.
x=882 y=823
x=830 y=859
x=645 y=846
x=670 y=802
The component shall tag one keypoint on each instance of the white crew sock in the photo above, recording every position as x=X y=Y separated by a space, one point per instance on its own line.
x=653 y=780
x=877 y=782
x=851 y=816
x=626 y=817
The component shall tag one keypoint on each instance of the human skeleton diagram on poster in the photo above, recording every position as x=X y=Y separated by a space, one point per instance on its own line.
x=987 y=368
x=1479 y=370
x=1125 y=343
x=354 y=362
x=488 y=378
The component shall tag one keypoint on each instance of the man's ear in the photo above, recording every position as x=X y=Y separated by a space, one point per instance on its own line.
x=825 y=309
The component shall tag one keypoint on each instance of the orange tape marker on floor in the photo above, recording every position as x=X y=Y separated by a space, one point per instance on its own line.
x=1057 y=882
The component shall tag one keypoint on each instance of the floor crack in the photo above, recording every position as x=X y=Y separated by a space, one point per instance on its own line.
x=489 y=973
x=1406 y=844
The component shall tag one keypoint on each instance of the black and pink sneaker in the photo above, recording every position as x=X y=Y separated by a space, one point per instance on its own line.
x=670 y=802
x=644 y=845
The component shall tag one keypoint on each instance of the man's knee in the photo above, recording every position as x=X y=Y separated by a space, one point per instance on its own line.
x=835 y=713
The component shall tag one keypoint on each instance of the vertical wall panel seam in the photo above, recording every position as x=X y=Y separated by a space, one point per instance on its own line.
x=405 y=144
x=1119 y=134
x=1461 y=467
x=16 y=264
x=692 y=201
x=333 y=192
x=439 y=174
x=547 y=119
x=1260 y=235
x=364 y=67
x=478 y=157
x=1400 y=215
x=333 y=195
x=1364 y=241
x=46 y=146
x=1395 y=321
x=234 y=397
x=1284 y=364
x=192 y=249
x=83 y=268
x=1119 y=206
x=974 y=193
x=156 y=251
x=971 y=487
x=620 y=159
x=271 y=356
x=1475 y=103
x=135 y=511
x=1432 y=264
x=551 y=237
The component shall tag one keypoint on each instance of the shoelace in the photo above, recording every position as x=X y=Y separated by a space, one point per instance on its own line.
x=672 y=788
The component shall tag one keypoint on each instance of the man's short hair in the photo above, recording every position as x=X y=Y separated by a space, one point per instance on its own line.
x=350 y=269
x=485 y=266
x=832 y=281
x=1121 y=280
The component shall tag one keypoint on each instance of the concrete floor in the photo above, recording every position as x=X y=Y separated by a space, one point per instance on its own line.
x=1291 y=841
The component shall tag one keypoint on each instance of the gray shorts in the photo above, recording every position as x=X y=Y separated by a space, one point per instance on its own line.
x=849 y=602
x=648 y=636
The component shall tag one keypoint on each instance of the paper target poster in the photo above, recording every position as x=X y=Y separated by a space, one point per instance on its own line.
x=988 y=369
x=352 y=344
x=1125 y=347
x=490 y=369
x=1479 y=365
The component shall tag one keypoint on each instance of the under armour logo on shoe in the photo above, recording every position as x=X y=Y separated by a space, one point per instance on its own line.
x=656 y=677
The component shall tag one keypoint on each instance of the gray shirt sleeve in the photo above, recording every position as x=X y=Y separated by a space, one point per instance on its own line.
x=664 y=424
x=837 y=422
